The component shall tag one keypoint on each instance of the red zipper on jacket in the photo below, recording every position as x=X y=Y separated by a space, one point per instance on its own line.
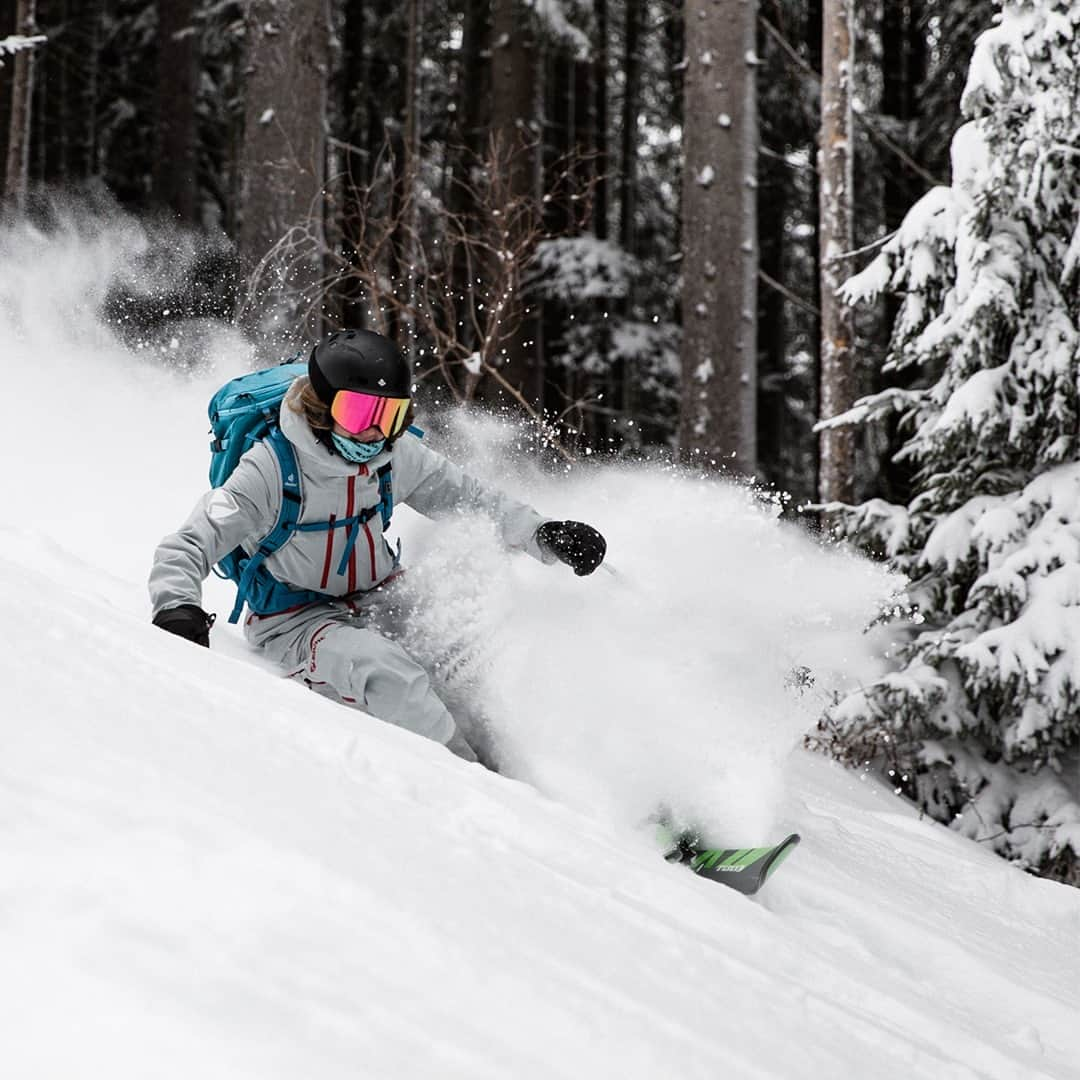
x=352 y=553
x=329 y=552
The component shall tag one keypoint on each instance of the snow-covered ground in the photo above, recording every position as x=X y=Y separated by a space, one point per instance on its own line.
x=205 y=870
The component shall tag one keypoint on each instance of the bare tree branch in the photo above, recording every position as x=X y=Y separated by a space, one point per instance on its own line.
x=461 y=290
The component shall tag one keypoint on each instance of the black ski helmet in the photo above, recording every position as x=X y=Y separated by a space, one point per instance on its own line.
x=358 y=360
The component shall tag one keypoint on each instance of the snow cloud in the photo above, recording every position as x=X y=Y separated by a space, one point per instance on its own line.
x=676 y=676
x=664 y=679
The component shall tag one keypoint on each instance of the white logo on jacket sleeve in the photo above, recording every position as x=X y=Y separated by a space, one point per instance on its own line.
x=221 y=505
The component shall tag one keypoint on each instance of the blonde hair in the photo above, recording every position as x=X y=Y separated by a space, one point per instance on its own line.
x=311 y=407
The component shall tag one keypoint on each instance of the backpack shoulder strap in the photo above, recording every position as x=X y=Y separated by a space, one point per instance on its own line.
x=386 y=482
x=386 y=492
x=288 y=516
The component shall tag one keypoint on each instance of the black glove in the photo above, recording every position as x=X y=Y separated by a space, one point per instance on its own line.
x=186 y=621
x=575 y=543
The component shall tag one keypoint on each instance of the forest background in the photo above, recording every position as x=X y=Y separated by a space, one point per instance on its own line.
x=370 y=122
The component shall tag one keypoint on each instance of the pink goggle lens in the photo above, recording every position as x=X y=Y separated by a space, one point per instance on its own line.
x=356 y=412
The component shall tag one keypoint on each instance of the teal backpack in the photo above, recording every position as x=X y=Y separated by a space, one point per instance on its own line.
x=243 y=412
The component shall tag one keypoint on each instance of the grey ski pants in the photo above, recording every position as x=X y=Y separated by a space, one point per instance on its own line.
x=346 y=651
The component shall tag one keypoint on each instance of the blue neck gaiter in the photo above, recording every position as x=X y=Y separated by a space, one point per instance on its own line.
x=357 y=452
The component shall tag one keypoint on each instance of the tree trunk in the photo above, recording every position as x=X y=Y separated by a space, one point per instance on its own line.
x=813 y=37
x=594 y=426
x=837 y=237
x=22 y=94
x=176 y=162
x=472 y=109
x=622 y=392
x=86 y=110
x=514 y=78
x=774 y=445
x=52 y=123
x=356 y=155
x=8 y=15
x=283 y=153
x=719 y=237
x=600 y=122
x=559 y=125
x=413 y=59
x=628 y=140
x=473 y=96
x=411 y=162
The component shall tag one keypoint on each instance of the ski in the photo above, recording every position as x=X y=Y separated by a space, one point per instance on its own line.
x=743 y=869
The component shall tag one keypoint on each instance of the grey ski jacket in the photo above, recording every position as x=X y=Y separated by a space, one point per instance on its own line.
x=245 y=509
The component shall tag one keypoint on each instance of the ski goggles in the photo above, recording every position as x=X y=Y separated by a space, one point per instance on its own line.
x=356 y=412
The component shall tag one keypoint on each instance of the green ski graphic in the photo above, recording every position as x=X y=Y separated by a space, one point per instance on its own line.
x=742 y=869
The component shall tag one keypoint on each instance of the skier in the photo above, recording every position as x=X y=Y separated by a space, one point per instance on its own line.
x=332 y=621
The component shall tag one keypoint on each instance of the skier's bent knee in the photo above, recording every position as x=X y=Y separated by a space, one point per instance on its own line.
x=459 y=746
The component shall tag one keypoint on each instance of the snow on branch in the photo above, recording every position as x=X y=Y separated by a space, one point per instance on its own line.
x=553 y=18
x=15 y=43
x=892 y=400
x=576 y=268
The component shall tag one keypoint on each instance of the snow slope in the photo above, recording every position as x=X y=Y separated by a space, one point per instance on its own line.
x=205 y=870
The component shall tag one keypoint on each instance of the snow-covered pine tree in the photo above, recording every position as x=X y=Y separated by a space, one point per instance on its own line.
x=979 y=720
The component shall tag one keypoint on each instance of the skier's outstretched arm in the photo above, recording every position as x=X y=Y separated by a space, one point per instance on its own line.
x=242 y=509
x=436 y=487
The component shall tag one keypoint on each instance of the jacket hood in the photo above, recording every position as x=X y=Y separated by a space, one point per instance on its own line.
x=315 y=458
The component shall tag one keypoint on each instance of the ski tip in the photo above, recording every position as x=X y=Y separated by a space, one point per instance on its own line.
x=744 y=869
x=784 y=849
x=776 y=857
